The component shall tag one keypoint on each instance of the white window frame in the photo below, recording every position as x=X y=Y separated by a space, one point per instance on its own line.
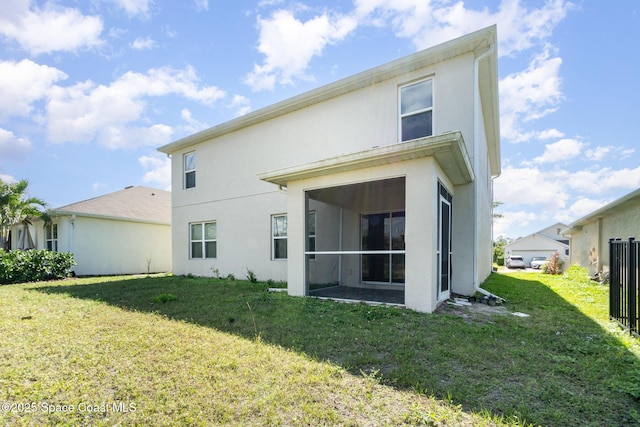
x=390 y=252
x=203 y=241
x=312 y=233
x=275 y=238
x=188 y=171
x=412 y=113
x=51 y=237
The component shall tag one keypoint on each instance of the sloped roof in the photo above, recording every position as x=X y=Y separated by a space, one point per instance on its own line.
x=603 y=211
x=132 y=203
x=479 y=42
x=537 y=236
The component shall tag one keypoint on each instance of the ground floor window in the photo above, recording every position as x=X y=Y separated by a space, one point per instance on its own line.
x=51 y=237
x=383 y=232
x=279 y=236
x=204 y=239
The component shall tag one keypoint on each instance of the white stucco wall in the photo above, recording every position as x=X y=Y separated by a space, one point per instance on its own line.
x=228 y=191
x=104 y=246
x=421 y=179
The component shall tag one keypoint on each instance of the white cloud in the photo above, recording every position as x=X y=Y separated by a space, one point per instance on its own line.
x=561 y=151
x=550 y=134
x=531 y=187
x=289 y=44
x=22 y=83
x=603 y=181
x=240 y=104
x=158 y=170
x=511 y=220
x=598 y=153
x=13 y=147
x=202 y=5
x=85 y=111
x=135 y=7
x=143 y=43
x=427 y=22
x=8 y=179
x=529 y=95
x=581 y=207
x=193 y=125
x=50 y=28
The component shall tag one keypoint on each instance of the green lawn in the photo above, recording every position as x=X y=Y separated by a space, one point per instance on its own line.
x=194 y=351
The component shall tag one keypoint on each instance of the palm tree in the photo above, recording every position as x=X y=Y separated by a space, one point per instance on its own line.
x=16 y=208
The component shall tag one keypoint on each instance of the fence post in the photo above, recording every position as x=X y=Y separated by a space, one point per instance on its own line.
x=631 y=283
x=612 y=279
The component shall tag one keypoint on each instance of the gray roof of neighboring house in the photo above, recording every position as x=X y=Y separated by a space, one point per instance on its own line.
x=603 y=211
x=132 y=203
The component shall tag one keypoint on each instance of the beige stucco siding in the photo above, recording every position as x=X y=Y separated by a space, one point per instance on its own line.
x=590 y=239
x=359 y=120
x=421 y=178
x=104 y=246
x=228 y=191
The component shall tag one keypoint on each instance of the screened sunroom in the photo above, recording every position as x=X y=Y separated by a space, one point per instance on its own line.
x=375 y=225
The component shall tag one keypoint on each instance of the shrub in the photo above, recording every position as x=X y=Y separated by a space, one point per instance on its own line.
x=251 y=276
x=34 y=265
x=554 y=266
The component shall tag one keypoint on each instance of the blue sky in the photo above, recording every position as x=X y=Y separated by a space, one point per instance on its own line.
x=90 y=89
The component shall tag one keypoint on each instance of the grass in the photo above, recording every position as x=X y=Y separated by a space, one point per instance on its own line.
x=195 y=351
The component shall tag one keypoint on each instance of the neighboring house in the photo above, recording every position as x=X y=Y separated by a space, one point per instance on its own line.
x=590 y=234
x=542 y=243
x=124 y=232
x=378 y=183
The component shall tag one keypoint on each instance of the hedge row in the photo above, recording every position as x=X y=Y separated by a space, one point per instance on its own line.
x=31 y=266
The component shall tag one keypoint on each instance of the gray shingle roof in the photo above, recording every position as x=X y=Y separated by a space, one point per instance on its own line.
x=135 y=203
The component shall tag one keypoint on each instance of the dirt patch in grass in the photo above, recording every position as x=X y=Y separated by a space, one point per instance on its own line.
x=475 y=312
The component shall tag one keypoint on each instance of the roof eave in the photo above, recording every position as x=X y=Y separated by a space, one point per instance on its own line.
x=476 y=42
x=58 y=213
x=448 y=149
x=602 y=212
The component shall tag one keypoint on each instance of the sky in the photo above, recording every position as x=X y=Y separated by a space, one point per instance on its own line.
x=89 y=89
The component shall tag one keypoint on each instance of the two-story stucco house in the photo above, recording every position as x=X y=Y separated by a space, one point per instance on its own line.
x=375 y=187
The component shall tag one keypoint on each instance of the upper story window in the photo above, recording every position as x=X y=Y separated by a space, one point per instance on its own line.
x=51 y=237
x=416 y=110
x=190 y=170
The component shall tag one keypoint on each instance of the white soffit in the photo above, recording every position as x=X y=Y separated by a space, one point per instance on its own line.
x=448 y=150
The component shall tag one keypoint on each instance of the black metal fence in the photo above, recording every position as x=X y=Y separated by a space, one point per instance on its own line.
x=624 y=302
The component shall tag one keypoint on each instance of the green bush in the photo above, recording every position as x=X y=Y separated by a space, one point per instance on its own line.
x=35 y=265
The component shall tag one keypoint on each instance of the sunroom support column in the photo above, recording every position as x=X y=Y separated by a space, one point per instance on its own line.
x=297 y=203
x=420 y=238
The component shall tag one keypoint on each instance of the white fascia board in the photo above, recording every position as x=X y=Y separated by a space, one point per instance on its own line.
x=478 y=42
x=448 y=149
x=57 y=213
x=602 y=212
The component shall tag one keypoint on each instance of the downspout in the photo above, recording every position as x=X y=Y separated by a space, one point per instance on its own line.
x=476 y=139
